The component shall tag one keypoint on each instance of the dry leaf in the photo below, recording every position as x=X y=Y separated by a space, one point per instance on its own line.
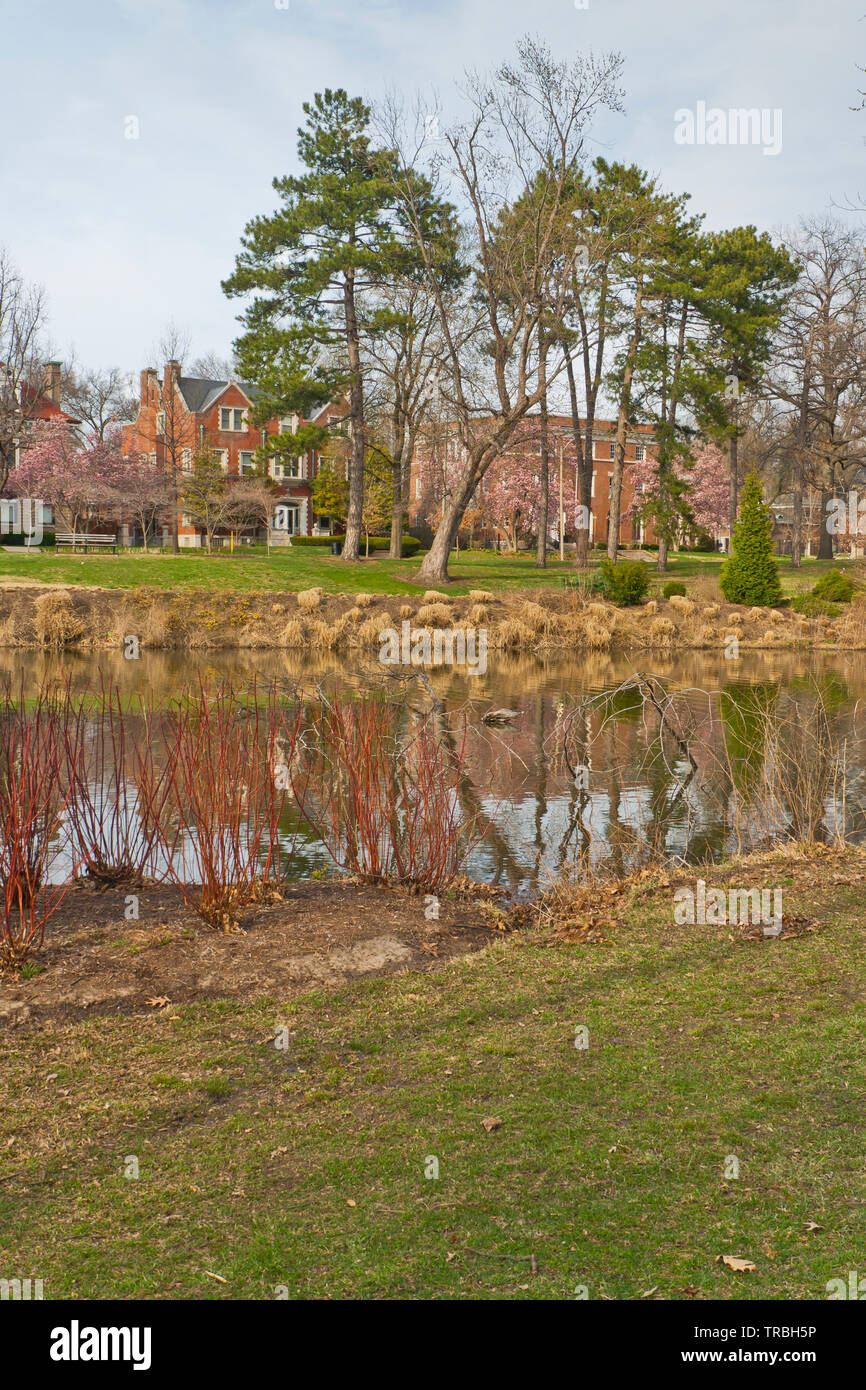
x=736 y=1262
x=350 y=1202
x=492 y=1122
x=158 y=1002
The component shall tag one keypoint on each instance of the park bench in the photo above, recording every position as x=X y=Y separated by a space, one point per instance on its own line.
x=72 y=540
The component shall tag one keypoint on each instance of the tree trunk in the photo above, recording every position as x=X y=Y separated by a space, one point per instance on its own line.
x=544 y=500
x=662 y=562
x=621 y=423
x=825 y=544
x=581 y=558
x=733 y=489
x=395 y=550
x=799 y=459
x=352 y=543
x=435 y=564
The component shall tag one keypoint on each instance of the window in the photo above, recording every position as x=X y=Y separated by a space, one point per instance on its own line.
x=418 y=487
x=222 y=458
x=245 y=462
x=186 y=460
x=153 y=460
x=232 y=419
x=160 y=422
x=638 y=452
x=284 y=469
x=611 y=451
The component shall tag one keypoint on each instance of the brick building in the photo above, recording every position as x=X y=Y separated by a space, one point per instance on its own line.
x=41 y=404
x=442 y=451
x=178 y=416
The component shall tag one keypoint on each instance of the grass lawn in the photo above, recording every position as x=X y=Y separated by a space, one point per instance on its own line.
x=304 y=568
x=306 y=1168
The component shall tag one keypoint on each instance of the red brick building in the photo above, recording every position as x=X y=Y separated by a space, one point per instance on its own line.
x=439 y=453
x=178 y=416
x=41 y=404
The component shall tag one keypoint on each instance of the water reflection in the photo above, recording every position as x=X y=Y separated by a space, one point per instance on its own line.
x=718 y=756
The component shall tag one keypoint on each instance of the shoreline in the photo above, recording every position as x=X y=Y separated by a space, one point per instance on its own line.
x=70 y=617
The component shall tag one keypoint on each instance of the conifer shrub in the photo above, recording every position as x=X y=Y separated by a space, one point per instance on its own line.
x=751 y=574
x=626 y=582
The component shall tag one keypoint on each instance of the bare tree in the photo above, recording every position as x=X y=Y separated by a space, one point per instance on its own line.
x=819 y=367
x=521 y=143
x=211 y=366
x=22 y=319
x=100 y=398
x=402 y=363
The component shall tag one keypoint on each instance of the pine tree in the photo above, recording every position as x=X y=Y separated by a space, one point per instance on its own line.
x=750 y=574
x=311 y=262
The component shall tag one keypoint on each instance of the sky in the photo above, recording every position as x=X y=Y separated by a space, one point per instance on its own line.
x=129 y=234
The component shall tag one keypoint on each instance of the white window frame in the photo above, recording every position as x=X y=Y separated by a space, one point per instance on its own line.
x=242 y=454
x=233 y=411
x=639 y=453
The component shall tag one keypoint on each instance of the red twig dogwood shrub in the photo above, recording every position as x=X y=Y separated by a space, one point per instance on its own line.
x=112 y=827
x=385 y=798
x=227 y=763
x=33 y=799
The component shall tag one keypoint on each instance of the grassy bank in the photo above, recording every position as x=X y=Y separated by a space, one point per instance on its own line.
x=305 y=567
x=305 y=1168
x=317 y=620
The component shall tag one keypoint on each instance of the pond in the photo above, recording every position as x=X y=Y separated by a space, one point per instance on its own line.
x=592 y=758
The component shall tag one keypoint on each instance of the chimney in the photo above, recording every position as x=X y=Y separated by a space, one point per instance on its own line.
x=52 y=381
x=172 y=372
x=147 y=379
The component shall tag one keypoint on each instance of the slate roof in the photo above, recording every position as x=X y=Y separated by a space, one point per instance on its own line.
x=199 y=393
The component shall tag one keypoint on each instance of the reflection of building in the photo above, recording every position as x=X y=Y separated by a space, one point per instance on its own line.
x=439 y=455
x=179 y=416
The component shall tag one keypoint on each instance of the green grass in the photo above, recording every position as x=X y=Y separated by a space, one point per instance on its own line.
x=304 y=568
x=306 y=1168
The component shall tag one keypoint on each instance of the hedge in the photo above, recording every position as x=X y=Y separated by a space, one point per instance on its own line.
x=19 y=538
x=411 y=544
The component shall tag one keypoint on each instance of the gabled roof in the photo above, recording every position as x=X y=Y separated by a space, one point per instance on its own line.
x=40 y=406
x=200 y=393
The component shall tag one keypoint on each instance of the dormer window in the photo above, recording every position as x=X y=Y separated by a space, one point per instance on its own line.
x=232 y=419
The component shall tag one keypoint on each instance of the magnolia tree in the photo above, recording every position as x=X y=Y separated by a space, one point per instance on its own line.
x=513 y=500
x=82 y=482
x=709 y=489
x=699 y=492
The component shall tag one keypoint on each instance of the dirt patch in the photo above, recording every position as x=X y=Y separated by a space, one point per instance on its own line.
x=319 y=934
